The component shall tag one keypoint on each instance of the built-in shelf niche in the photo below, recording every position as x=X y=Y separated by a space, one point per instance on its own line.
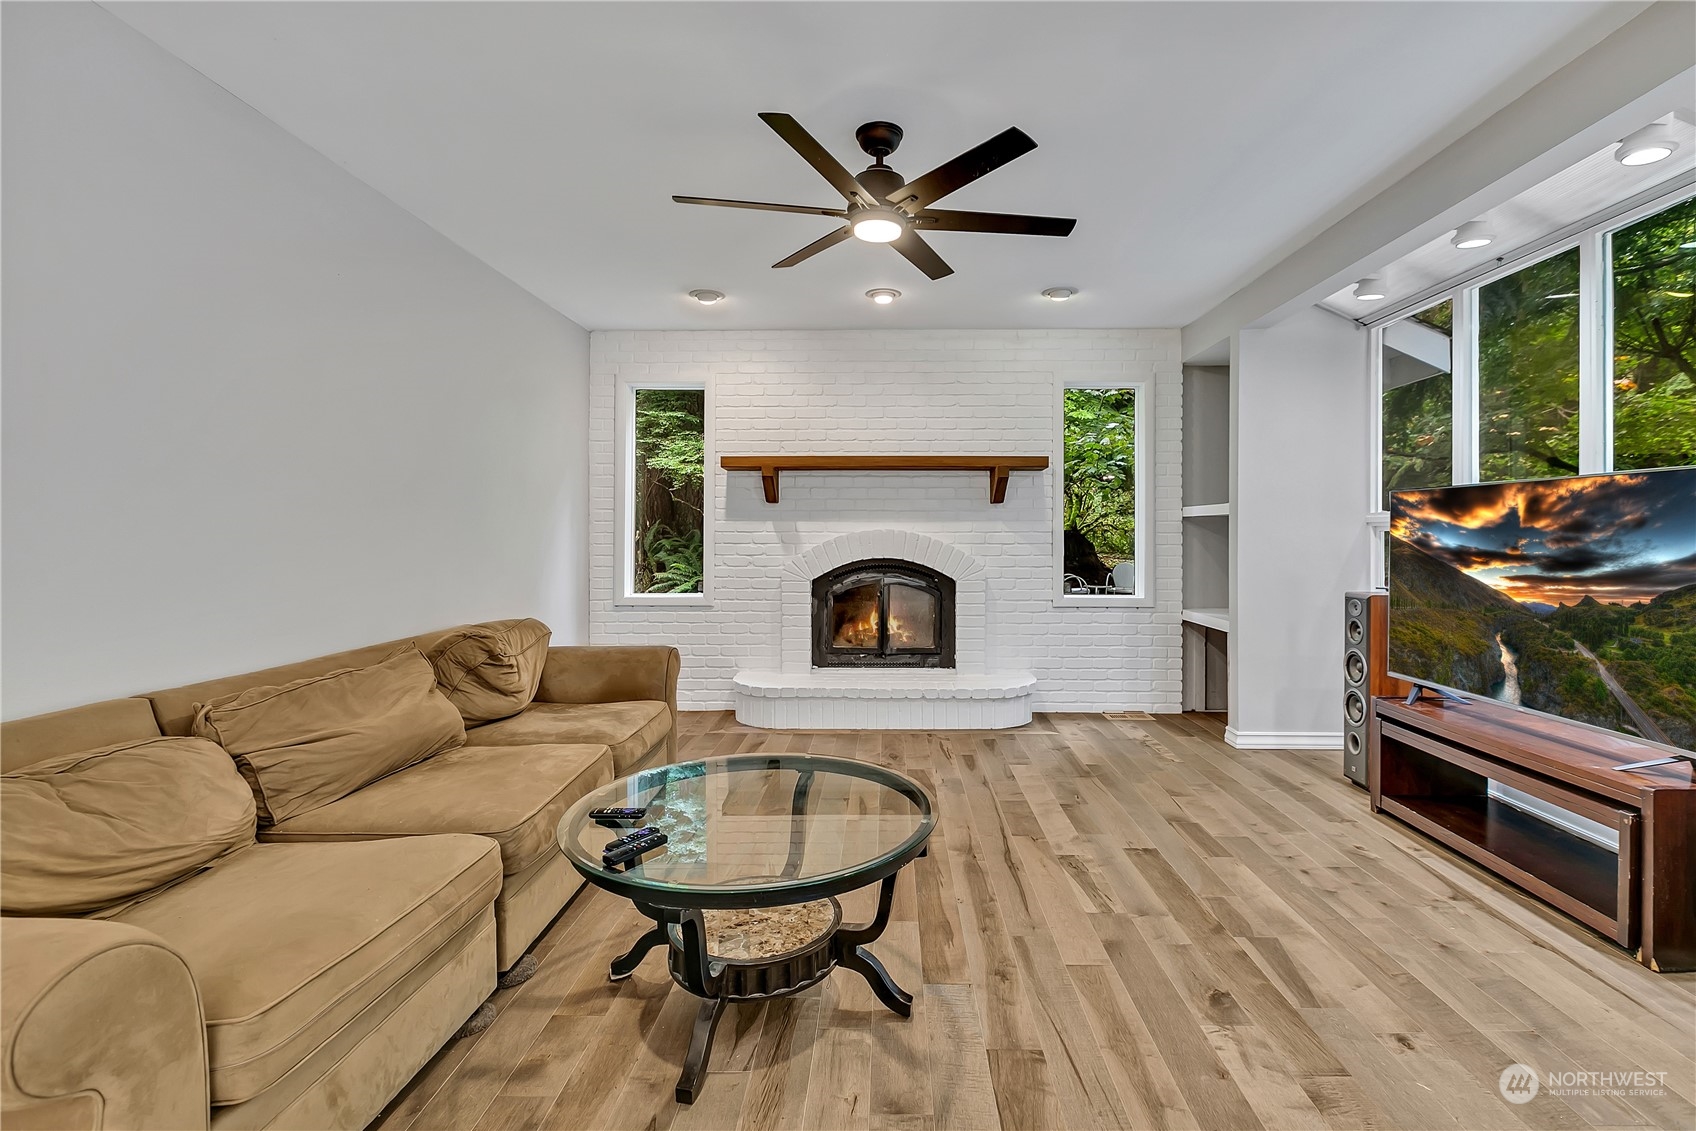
x=1207 y=536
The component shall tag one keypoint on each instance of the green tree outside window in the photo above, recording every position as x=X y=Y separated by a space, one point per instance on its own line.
x=1654 y=300
x=670 y=477
x=1099 y=481
x=1528 y=352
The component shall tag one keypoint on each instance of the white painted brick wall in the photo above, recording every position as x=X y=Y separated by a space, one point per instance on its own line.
x=899 y=391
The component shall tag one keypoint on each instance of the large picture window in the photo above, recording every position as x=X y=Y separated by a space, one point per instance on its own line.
x=1654 y=346
x=1578 y=359
x=1417 y=407
x=1099 y=492
x=667 y=518
x=1528 y=352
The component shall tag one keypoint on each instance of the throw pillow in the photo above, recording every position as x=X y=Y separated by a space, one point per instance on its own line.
x=490 y=671
x=88 y=830
x=316 y=740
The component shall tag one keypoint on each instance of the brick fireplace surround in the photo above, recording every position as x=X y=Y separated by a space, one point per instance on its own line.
x=747 y=644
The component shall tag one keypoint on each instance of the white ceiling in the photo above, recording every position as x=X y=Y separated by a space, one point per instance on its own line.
x=1194 y=142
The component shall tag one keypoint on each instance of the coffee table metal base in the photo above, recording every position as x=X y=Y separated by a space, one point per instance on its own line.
x=720 y=980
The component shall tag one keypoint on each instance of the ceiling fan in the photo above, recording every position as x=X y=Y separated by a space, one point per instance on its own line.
x=884 y=208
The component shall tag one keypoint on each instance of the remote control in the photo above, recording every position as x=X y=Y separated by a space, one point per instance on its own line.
x=631 y=850
x=629 y=837
x=614 y=815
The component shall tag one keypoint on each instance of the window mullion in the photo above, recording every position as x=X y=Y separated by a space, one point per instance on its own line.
x=1595 y=406
x=1463 y=374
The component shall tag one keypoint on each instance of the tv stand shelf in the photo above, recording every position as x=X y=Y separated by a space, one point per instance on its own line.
x=1431 y=764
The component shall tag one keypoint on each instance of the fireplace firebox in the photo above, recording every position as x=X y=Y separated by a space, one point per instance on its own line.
x=883 y=613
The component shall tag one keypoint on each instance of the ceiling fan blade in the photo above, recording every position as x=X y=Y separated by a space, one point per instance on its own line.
x=817 y=156
x=804 y=209
x=920 y=255
x=815 y=247
x=964 y=169
x=949 y=220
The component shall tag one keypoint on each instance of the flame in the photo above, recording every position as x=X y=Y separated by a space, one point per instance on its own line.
x=861 y=632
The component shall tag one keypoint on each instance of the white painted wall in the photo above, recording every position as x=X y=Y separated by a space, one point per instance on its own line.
x=1301 y=475
x=253 y=411
x=890 y=392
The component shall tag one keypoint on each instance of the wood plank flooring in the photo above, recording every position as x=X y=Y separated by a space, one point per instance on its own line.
x=1121 y=923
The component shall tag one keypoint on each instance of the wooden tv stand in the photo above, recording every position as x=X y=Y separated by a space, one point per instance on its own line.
x=1429 y=763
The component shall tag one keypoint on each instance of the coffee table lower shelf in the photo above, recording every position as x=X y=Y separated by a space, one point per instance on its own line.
x=774 y=952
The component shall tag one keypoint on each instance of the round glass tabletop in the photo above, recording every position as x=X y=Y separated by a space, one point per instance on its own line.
x=753 y=830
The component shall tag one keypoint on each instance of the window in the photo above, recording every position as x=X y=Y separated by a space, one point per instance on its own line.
x=666 y=518
x=1577 y=363
x=1099 y=499
x=1654 y=340
x=1417 y=406
x=1528 y=350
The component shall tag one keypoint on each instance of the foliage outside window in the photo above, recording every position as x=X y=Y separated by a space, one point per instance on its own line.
x=669 y=521
x=1528 y=350
x=1098 y=492
x=1417 y=414
x=1654 y=313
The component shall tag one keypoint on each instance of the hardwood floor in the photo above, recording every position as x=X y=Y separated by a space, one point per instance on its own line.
x=1121 y=923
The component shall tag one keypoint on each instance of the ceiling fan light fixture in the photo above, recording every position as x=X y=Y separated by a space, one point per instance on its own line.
x=878 y=225
x=883 y=296
x=1473 y=233
x=707 y=298
x=1654 y=142
x=1059 y=294
x=1370 y=289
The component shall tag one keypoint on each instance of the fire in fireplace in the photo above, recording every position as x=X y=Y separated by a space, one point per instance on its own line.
x=883 y=614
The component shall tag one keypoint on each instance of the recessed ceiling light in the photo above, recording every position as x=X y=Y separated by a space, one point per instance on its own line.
x=1370 y=289
x=883 y=296
x=878 y=225
x=1473 y=233
x=707 y=298
x=1059 y=294
x=1652 y=143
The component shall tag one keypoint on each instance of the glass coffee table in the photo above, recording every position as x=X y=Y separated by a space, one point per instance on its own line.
x=743 y=892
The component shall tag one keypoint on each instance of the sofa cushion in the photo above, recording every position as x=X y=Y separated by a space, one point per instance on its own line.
x=515 y=794
x=309 y=742
x=630 y=729
x=490 y=671
x=288 y=943
x=23 y=741
x=85 y=831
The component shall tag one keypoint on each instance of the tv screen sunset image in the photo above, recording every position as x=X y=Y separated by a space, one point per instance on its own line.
x=1572 y=596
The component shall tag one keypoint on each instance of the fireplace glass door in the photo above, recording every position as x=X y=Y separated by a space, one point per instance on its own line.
x=883 y=614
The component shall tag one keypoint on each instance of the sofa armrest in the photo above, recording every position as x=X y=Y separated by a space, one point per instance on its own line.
x=101 y=1027
x=614 y=674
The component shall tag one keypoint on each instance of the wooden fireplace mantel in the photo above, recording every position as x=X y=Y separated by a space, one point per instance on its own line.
x=999 y=467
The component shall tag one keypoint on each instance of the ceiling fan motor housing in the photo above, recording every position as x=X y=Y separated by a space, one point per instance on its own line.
x=880 y=181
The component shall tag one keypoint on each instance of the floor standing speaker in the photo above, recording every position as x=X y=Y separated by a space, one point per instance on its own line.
x=1364 y=656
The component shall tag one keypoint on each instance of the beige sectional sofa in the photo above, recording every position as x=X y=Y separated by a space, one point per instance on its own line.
x=301 y=979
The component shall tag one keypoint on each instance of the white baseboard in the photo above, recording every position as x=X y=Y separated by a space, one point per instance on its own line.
x=1284 y=739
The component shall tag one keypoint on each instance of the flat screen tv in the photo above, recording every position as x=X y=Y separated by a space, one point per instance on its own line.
x=1575 y=597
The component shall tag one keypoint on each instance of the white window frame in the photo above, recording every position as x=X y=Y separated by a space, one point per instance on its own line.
x=624 y=491
x=1594 y=240
x=1143 y=393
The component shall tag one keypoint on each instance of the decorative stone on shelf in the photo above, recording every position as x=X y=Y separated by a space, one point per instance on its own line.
x=1000 y=468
